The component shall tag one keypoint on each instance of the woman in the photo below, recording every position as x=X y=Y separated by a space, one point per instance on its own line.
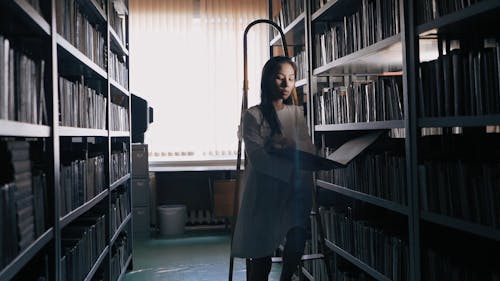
x=276 y=197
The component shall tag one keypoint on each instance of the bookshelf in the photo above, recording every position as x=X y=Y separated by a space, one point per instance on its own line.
x=367 y=60
x=81 y=132
x=65 y=141
x=293 y=31
x=441 y=59
x=31 y=16
x=387 y=204
x=14 y=128
x=375 y=274
x=292 y=17
x=25 y=256
x=375 y=125
x=462 y=121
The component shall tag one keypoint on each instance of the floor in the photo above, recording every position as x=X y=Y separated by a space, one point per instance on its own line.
x=193 y=256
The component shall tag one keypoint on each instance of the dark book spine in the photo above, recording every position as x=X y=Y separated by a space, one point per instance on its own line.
x=478 y=85
x=448 y=85
x=20 y=88
x=458 y=84
x=472 y=84
x=497 y=76
x=422 y=93
x=79 y=184
x=438 y=81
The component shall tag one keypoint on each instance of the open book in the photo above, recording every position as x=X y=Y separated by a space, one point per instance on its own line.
x=338 y=159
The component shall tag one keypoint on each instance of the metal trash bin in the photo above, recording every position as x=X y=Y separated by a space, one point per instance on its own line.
x=172 y=219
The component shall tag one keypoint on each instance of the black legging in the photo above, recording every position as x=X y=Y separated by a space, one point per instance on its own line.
x=259 y=268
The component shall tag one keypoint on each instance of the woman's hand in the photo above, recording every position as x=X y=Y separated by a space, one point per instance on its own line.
x=279 y=141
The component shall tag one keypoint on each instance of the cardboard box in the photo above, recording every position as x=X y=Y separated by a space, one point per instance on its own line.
x=224 y=197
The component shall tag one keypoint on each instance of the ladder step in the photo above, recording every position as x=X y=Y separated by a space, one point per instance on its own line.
x=304 y=258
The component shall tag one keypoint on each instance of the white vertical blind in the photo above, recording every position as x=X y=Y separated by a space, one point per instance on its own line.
x=186 y=59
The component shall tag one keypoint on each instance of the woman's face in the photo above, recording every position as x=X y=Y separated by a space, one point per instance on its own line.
x=284 y=82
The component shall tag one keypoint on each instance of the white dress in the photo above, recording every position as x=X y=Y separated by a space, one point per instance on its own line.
x=275 y=195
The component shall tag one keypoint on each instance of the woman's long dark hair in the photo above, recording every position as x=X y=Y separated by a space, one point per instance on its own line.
x=269 y=72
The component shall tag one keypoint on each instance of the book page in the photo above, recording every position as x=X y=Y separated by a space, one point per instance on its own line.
x=349 y=150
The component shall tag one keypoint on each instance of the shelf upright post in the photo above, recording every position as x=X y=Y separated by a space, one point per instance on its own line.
x=410 y=70
x=129 y=190
x=308 y=49
x=310 y=121
x=108 y=153
x=55 y=142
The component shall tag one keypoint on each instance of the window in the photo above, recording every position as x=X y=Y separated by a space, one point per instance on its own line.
x=186 y=59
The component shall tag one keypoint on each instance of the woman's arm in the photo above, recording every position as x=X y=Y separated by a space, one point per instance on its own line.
x=261 y=160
